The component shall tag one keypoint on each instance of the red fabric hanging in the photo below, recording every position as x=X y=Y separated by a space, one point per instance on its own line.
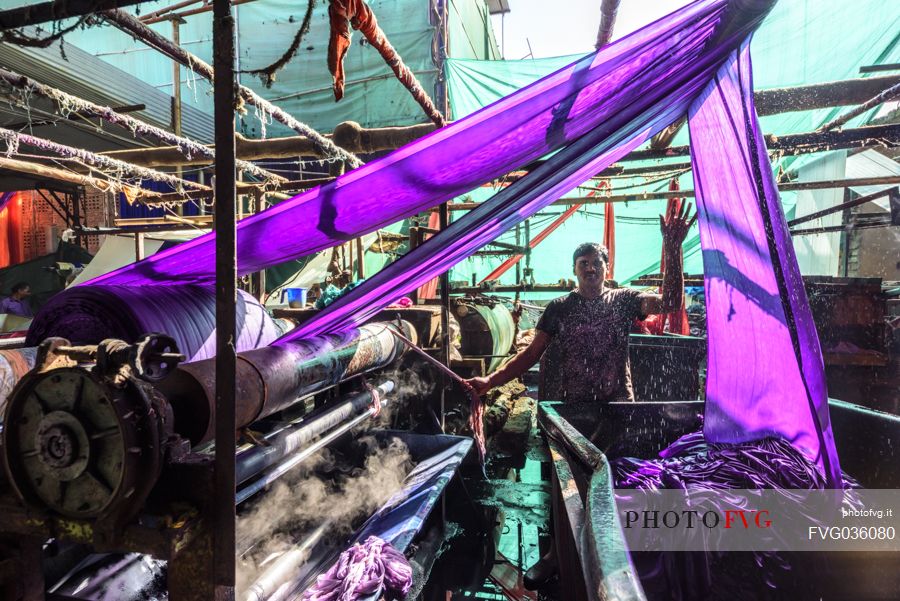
x=678 y=321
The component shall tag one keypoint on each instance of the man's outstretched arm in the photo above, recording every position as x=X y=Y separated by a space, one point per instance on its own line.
x=517 y=366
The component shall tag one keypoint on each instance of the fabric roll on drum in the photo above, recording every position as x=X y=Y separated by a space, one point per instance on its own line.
x=14 y=363
x=275 y=377
x=187 y=312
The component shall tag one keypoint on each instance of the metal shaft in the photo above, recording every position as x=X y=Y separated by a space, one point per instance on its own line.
x=296 y=459
x=257 y=458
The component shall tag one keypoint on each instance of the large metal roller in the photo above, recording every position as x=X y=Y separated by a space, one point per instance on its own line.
x=284 y=442
x=273 y=378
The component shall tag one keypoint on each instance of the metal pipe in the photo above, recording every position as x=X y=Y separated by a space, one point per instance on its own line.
x=223 y=392
x=844 y=205
x=287 y=440
x=886 y=95
x=273 y=378
x=292 y=461
x=276 y=582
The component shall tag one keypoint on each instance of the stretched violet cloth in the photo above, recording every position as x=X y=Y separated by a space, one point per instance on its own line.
x=765 y=374
x=654 y=95
x=580 y=99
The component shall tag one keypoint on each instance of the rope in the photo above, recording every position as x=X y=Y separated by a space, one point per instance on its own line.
x=476 y=407
x=267 y=74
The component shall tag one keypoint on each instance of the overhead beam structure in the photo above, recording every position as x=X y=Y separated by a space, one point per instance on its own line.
x=131 y=25
x=55 y=10
x=360 y=140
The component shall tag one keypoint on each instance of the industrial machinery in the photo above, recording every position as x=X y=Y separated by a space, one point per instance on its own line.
x=487 y=329
x=110 y=445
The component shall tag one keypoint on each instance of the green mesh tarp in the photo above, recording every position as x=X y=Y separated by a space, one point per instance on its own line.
x=373 y=96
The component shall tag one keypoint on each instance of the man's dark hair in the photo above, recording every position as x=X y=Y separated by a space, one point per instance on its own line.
x=20 y=286
x=589 y=248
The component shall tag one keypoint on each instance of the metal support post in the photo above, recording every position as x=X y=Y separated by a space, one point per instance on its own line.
x=225 y=98
x=445 y=317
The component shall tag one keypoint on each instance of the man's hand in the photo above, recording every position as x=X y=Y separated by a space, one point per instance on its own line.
x=674 y=227
x=481 y=385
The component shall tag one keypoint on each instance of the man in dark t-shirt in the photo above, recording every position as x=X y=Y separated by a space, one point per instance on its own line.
x=582 y=338
x=587 y=356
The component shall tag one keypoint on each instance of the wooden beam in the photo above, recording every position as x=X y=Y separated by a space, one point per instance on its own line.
x=53 y=174
x=189 y=12
x=882 y=97
x=356 y=139
x=821 y=95
x=792 y=144
x=800 y=98
x=349 y=135
x=57 y=10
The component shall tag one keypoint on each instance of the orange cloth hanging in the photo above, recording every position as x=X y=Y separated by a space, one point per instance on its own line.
x=609 y=233
x=12 y=249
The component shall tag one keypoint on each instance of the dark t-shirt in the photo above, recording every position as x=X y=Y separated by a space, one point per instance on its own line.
x=587 y=358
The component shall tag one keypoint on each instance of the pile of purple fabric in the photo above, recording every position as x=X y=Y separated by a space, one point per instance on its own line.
x=362 y=570
x=692 y=462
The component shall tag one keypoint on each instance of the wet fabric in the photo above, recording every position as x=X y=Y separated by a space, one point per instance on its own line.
x=605 y=95
x=638 y=99
x=765 y=374
x=691 y=462
x=362 y=570
x=587 y=358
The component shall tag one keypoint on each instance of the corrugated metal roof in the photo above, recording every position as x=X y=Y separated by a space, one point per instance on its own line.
x=93 y=79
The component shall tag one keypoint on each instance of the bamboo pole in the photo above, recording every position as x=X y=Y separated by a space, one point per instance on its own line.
x=133 y=26
x=608 y=10
x=62 y=175
x=185 y=146
x=13 y=140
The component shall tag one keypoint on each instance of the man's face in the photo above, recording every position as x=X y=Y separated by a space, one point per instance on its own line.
x=590 y=270
x=24 y=292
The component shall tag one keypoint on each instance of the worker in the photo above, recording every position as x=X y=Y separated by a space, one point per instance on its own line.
x=16 y=303
x=583 y=337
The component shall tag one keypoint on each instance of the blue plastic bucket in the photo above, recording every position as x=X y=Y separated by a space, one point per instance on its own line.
x=296 y=297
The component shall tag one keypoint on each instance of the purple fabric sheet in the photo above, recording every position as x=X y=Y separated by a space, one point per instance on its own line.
x=563 y=107
x=765 y=374
x=650 y=97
